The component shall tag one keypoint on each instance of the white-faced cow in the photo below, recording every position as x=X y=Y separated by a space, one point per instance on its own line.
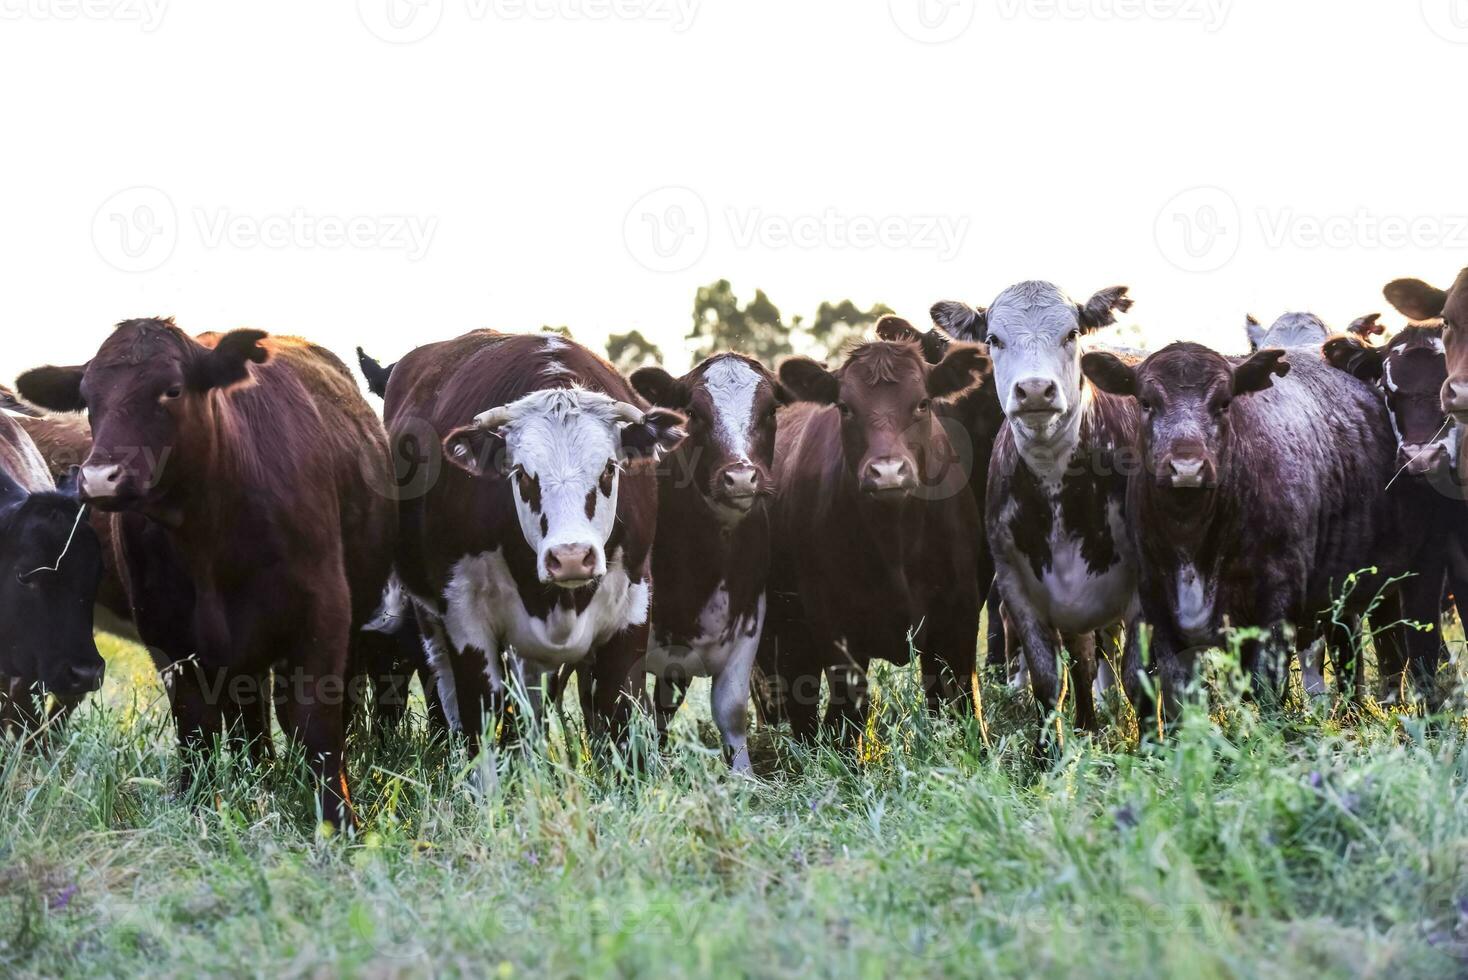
x=50 y=565
x=712 y=554
x=875 y=530
x=1260 y=493
x=531 y=551
x=1057 y=482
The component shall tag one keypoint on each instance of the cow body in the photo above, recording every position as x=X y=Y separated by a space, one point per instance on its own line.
x=1055 y=504
x=1258 y=496
x=50 y=565
x=875 y=531
x=531 y=551
x=257 y=533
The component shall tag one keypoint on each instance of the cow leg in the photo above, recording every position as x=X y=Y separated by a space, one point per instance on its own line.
x=731 y=701
x=1082 y=651
x=1421 y=598
x=846 y=714
x=949 y=657
x=1018 y=668
x=1109 y=643
x=996 y=646
x=195 y=694
x=1267 y=661
x=795 y=669
x=668 y=694
x=1350 y=656
x=245 y=714
x=1312 y=662
x=616 y=670
x=1041 y=645
x=318 y=702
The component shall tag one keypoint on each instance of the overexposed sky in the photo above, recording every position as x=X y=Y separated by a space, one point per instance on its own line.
x=390 y=172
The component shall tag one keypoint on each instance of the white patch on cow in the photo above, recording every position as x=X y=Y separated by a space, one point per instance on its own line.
x=1068 y=595
x=1194 y=605
x=440 y=662
x=555 y=369
x=392 y=610
x=1386 y=372
x=554 y=344
x=485 y=610
x=1436 y=343
x=638 y=604
x=733 y=384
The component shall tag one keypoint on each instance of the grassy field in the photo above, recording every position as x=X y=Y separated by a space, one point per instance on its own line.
x=1307 y=843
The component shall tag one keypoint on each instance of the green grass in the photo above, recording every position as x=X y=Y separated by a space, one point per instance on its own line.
x=1312 y=842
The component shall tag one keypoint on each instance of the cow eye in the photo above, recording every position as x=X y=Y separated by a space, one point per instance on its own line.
x=1146 y=405
x=993 y=341
x=1072 y=337
x=607 y=476
x=844 y=409
x=175 y=392
x=924 y=405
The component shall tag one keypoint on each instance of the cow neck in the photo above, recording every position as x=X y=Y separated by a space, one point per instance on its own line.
x=1185 y=527
x=1048 y=452
x=223 y=490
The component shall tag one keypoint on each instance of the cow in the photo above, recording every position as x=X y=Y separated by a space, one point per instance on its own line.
x=50 y=566
x=1424 y=304
x=1306 y=330
x=1258 y=494
x=262 y=478
x=9 y=403
x=1057 y=485
x=1409 y=373
x=875 y=530
x=711 y=558
x=530 y=551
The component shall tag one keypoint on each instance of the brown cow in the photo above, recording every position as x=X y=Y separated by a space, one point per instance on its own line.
x=538 y=536
x=711 y=558
x=1421 y=303
x=263 y=475
x=50 y=563
x=875 y=530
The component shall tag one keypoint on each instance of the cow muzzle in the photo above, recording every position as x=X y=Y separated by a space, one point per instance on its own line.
x=77 y=680
x=888 y=478
x=1188 y=472
x=1420 y=460
x=1455 y=397
x=571 y=566
x=102 y=483
x=1038 y=397
x=737 y=486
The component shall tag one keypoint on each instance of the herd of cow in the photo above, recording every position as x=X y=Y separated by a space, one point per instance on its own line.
x=521 y=514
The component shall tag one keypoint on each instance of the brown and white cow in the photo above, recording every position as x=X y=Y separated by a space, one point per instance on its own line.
x=1057 y=483
x=262 y=476
x=50 y=564
x=712 y=555
x=875 y=530
x=1260 y=491
x=1409 y=372
x=531 y=551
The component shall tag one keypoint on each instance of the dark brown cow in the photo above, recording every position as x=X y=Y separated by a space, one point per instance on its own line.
x=50 y=564
x=263 y=476
x=712 y=555
x=1409 y=372
x=1259 y=491
x=875 y=530
x=1421 y=303
x=538 y=536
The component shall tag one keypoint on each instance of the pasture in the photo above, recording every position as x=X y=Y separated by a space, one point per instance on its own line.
x=1311 y=841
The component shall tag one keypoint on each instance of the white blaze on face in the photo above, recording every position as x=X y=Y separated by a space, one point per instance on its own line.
x=567 y=441
x=732 y=385
x=1035 y=327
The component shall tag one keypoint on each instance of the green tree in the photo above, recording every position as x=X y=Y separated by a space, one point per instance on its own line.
x=631 y=350
x=838 y=324
x=563 y=331
x=721 y=323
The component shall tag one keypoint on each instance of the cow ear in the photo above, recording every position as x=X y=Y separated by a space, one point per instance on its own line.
x=895 y=329
x=810 y=382
x=1110 y=373
x=1415 y=299
x=1259 y=371
x=1367 y=326
x=960 y=320
x=1353 y=356
x=659 y=432
x=228 y=363
x=659 y=387
x=1255 y=331
x=1100 y=310
x=782 y=393
x=475 y=450
x=377 y=376
x=56 y=388
x=962 y=368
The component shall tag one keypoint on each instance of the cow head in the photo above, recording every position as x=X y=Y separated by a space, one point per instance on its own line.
x=1421 y=303
x=1290 y=330
x=1185 y=392
x=50 y=568
x=1033 y=331
x=150 y=390
x=730 y=402
x=885 y=394
x=1409 y=371
x=563 y=451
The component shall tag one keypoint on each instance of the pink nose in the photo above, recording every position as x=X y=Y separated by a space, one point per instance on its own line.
x=1455 y=396
x=100 y=481
x=894 y=473
x=1420 y=460
x=739 y=481
x=1036 y=395
x=570 y=564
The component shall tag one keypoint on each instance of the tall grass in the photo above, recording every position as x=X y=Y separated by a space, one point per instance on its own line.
x=1308 y=841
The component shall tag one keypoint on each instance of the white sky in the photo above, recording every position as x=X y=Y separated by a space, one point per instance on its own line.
x=530 y=145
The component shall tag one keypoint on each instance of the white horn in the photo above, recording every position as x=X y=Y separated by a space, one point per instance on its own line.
x=625 y=412
x=494 y=418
